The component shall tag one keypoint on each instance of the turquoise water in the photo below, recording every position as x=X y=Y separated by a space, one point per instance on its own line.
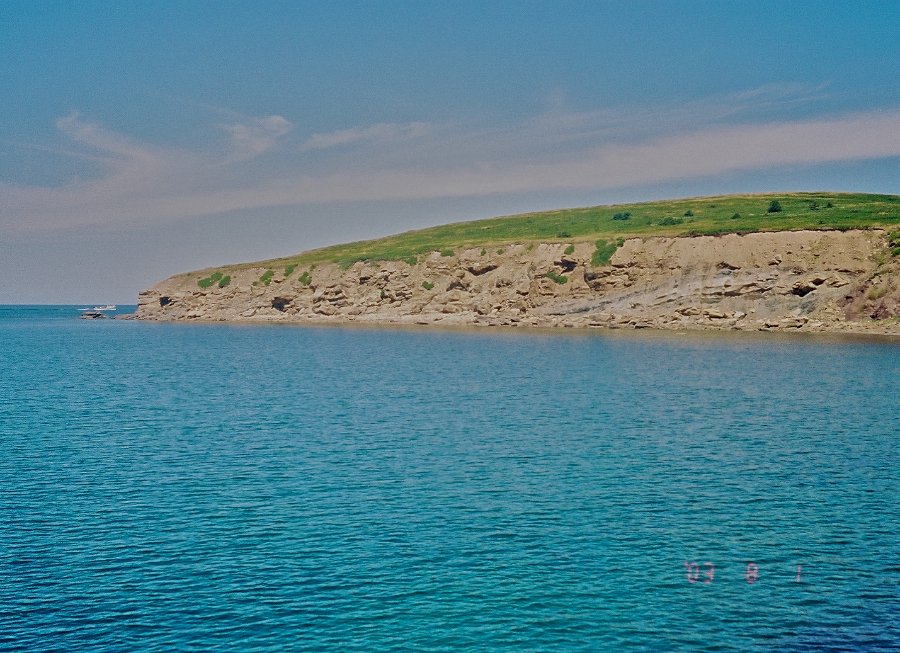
x=234 y=488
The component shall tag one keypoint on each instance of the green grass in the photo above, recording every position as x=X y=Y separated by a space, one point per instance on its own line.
x=708 y=216
x=305 y=279
x=558 y=278
x=288 y=269
x=569 y=250
x=224 y=281
x=427 y=285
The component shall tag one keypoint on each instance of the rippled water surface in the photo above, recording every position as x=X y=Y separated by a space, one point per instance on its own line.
x=233 y=488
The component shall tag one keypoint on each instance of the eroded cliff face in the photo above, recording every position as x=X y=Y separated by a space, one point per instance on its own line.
x=807 y=280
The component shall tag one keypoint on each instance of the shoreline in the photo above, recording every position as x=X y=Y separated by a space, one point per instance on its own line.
x=881 y=330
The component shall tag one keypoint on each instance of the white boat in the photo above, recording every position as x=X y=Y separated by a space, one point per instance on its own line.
x=108 y=307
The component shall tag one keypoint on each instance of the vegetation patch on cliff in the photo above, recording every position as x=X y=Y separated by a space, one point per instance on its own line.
x=894 y=241
x=211 y=279
x=604 y=251
x=554 y=276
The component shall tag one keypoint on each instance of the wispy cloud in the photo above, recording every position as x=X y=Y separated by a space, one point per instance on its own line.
x=379 y=132
x=555 y=151
x=250 y=139
x=693 y=154
x=93 y=135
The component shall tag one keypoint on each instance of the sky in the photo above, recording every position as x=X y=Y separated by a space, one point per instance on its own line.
x=139 y=140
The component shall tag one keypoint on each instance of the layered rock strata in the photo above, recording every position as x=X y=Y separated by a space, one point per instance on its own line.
x=791 y=280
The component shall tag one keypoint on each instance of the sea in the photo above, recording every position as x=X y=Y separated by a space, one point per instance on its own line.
x=223 y=487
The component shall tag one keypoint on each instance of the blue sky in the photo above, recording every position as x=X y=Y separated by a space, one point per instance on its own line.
x=138 y=140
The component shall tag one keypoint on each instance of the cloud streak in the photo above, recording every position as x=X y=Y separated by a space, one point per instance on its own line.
x=379 y=132
x=252 y=139
x=142 y=183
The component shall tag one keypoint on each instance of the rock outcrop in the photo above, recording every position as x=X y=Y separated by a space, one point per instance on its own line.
x=789 y=280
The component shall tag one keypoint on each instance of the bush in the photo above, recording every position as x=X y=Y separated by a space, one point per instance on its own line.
x=305 y=279
x=447 y=252
x=736 y=216
x=563 y=234
x=829 y=205
x=813 y=206
x=483 y=251
x=500 y=251
x=569 y=250
x=383 y=294
x=427 y=286
x=668 y=222
x=689 y=214
x=622 y=216
x=774 y=207
x=224 y=281
x=558 y=278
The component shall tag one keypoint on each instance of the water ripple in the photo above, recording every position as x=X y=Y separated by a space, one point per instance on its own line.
x=204 y=488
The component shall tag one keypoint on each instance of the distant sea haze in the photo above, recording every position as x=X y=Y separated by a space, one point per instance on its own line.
x=265 y=488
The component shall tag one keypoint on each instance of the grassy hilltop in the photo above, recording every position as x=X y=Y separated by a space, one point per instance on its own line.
x=696 y=216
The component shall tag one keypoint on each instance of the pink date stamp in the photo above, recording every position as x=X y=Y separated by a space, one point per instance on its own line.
x=694 y=572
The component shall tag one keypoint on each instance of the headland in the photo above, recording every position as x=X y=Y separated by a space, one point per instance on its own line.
x=827 y=262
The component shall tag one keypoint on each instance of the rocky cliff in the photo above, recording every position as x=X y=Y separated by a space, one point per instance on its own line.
x=787 y=280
